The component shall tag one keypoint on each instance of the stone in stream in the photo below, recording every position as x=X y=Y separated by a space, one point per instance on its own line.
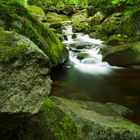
x=98 y=121
x=82 y=55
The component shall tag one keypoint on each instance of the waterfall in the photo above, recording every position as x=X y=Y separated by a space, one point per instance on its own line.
x=84 y=53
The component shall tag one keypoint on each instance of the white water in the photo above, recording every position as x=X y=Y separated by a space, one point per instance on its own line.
x=92 y=64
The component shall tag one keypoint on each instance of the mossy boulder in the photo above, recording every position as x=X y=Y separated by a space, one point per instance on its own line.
x=24 y=72
x=123 y=55
x=80 y=21
x=98 y=121
x=117 y=39
x=37 y=12
x=112 y=24
x=97 y=19
x=67 y=10
x=60 y=126
x=117 y=23
x=54 y=17
x=17 y=18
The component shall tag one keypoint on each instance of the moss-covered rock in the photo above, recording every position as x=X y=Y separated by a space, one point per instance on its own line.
x=61 y=8
x=123 y=55
x=67 y=10
x=117 y=23
x=37 y=12
x=54 y=17
x=60 y=126
x=112 y=24
x=24 y=74
x=97 y=121
x=117 y=39
x=82 y=55
x=80 y=21
x=50 y=123
x=97 y=18
x=17 y=18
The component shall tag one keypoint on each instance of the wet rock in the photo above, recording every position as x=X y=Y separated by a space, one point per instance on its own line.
x=124 y=55
x=55 y=25
x=74 y=36
x=82 y=55
x=99 y=121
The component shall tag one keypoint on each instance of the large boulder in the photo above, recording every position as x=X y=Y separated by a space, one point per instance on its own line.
x=21 y=61
x=122 y=55
x=17 y=18
x=26 y=113
x=98 y=121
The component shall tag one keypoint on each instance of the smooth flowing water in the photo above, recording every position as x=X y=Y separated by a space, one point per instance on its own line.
x=86 y=77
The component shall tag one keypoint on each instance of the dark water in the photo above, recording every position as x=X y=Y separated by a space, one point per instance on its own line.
x=121 y=86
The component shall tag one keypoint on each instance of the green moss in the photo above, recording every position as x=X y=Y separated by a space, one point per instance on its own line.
x=17 y=18
x=54 y=17
x=8 y=46
x=62 y=127
x=35 y=9
x=37 y=12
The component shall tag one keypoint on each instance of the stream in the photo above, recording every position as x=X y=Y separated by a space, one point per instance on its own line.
x=86 y=77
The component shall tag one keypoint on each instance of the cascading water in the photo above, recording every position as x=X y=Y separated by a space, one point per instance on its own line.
x=82 y=45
